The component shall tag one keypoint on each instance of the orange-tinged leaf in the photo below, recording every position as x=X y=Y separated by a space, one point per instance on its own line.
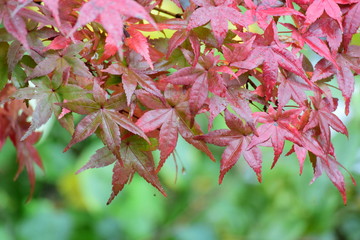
x=138 y=42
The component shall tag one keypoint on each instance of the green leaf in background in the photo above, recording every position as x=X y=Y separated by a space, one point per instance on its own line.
x=3 y=64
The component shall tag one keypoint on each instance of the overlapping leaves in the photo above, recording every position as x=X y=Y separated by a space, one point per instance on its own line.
x=138 y=93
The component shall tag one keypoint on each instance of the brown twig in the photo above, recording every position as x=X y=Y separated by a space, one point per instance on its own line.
x=176 y=15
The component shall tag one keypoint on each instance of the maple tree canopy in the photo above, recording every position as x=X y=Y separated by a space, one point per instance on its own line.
x=242 y=61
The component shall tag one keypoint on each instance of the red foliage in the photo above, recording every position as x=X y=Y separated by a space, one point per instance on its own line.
x=137 y=94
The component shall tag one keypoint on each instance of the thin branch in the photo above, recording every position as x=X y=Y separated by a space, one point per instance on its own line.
x=251 y=102
x=251 y=83
x=176 y=15
x=332 y=86
x=292 y=106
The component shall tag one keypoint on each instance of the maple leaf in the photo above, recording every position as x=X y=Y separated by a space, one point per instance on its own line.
x=261 y=14
x=46 y=96
x=323 y=117
x=277 y=127
x=14 y=15
x=236 y=140
x=171 y=118
x=320 y=157
x=326 y=27
x=27 y=156
x=102 y=158
x=312 y=38
x=351 y=23
x=135 y=156
x=181 y=36
x=60 y=62
x=135 y=40
x=14 y=115
x=238 y=52
x=131 y=78
x=139 y=44
x=203 y=78
x=47 y=93
x=59 y=42
x=53 y=6
x=135 y=160
x=216 y=106
x=293 y=88
x=347 y=62
x=14 y=24
x=323 y=69
x=272 y=56
x=318 y=7
x=330 y=166
x=239 y=98
x=92 y=57
x=345 y=78
x=310 y=143
x=111 y=15
x=218 y=13
x=101 y=113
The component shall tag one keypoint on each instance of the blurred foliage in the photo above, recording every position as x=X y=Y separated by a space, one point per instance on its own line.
x=69 y=206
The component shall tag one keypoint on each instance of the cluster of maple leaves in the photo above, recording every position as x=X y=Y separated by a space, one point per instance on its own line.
x=137 y=94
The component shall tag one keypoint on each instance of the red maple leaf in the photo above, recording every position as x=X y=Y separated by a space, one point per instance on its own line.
x=218 y=13
x=236 y=140
x=171 y=117
x=101 y=113
x=13 y=15
x=261 y=13
x=351 y=23
x=312 y=37
x=318 y=7
x=330 y=166
x=14 y=115
x=111 y=15
x=267 y=52
x=131 y=77
x=323 y=118
x=347 y=62
x=139 y=44
x=137 y=93
x=135 y=156
x=293 y=87
x=202 y=78
x=277 y=127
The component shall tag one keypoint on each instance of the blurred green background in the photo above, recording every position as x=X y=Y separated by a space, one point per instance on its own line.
x=284 y=206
